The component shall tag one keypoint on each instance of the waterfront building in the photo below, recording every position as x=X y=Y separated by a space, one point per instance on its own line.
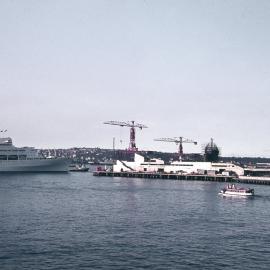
x=142 y=164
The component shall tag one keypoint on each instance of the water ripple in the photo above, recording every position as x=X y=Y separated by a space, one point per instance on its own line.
x=77 y=221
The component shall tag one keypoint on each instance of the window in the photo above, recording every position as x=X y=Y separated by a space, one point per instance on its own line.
x=12 y=157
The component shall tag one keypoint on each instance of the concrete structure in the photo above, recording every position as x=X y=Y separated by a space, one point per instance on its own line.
x=140 y=164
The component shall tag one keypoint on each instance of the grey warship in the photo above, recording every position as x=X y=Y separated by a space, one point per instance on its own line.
x=27 y=159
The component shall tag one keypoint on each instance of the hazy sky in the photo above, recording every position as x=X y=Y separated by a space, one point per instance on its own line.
x=197 y=69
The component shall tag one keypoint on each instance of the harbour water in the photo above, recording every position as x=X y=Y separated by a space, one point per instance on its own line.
x=78 y=221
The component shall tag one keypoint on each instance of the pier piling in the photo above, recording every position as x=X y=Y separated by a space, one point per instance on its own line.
x=189 y=177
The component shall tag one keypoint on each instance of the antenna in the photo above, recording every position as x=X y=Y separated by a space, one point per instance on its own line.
x=3 y=131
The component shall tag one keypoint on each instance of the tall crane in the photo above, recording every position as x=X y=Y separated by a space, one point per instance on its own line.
x=132 y=125
x=177 y=140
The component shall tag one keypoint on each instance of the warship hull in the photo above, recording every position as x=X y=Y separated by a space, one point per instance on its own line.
x=35 y=165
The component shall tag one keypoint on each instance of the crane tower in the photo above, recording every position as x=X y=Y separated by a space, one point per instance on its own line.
x=179 y=141
x=132 y=125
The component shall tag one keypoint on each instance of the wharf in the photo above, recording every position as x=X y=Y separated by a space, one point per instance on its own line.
x=172 y=176
x=254 y=180
x=189 y=177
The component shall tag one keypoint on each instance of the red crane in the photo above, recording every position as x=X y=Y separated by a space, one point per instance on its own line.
x=177 y=140
x=132 y=125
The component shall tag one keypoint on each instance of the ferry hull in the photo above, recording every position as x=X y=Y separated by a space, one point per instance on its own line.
x=227 y=194
x=236 y=195
x=35 y=165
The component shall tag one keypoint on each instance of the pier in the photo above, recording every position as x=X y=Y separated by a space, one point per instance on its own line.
x=259 y=180
x=167 y=176
x=188 y=177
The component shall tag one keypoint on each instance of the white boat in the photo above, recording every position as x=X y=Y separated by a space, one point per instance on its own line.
x=232 y=190
x=78 y=168
x=27 y=159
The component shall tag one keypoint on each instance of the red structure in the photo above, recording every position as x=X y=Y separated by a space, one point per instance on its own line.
x=177 y=140
x=132 y=125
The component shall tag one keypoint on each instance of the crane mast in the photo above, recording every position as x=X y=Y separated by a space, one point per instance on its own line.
x=132 y=136
x=179 y=141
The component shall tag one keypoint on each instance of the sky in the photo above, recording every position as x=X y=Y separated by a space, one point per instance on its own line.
x=191 y=68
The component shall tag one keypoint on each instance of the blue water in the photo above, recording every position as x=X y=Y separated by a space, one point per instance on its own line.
x=77 y=221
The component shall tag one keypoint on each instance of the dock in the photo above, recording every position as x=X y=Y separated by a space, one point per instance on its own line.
x=259 y=180
x=188 y=177
x=167 y=176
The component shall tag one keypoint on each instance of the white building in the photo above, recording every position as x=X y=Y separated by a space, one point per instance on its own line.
x=181 y=167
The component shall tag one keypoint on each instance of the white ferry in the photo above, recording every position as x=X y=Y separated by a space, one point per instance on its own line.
x=27 y=159
x=232 y=190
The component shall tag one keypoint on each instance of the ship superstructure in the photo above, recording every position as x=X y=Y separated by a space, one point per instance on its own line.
x=27 y=159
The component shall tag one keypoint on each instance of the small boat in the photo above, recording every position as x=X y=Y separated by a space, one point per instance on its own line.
x=232 y=190
x=78 y=168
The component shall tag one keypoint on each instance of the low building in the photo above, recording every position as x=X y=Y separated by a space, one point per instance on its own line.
x=141 y=164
